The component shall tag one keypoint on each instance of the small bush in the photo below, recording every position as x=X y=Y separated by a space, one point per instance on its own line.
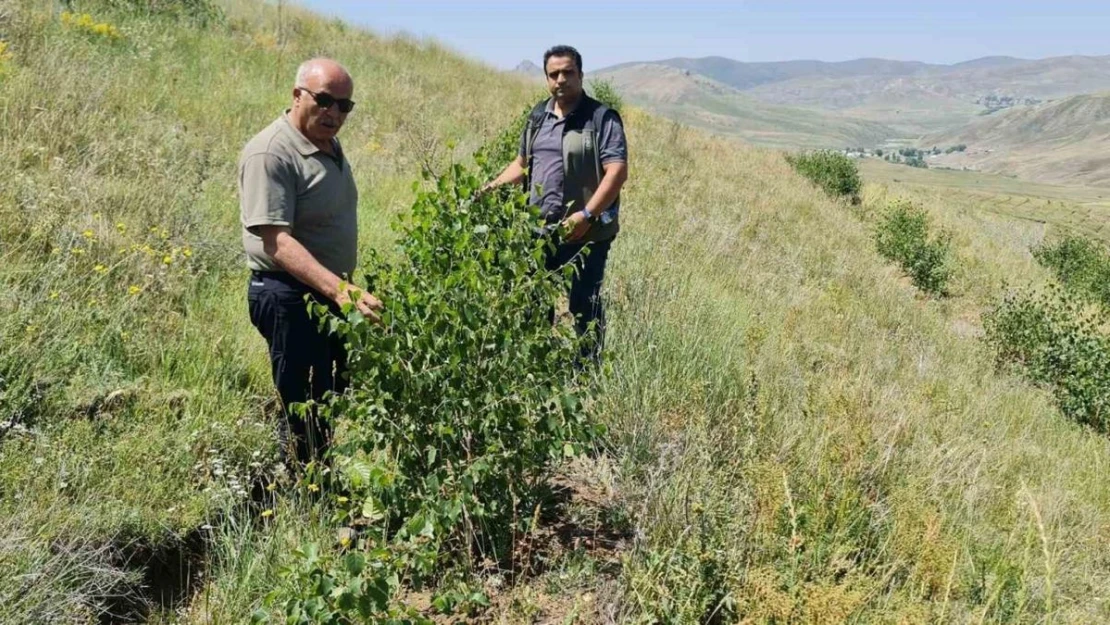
x=1080 y=264
x=459 y=404
x=603 y=91
x=902 y=235
x=1054 y=340
x=832 y=171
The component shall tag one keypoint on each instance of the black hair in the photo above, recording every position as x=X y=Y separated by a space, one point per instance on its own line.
x=566 y=51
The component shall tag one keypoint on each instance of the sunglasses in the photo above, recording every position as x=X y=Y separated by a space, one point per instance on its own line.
x=325 y=100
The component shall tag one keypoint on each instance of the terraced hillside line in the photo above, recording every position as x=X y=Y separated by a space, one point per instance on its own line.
x=1082 y=210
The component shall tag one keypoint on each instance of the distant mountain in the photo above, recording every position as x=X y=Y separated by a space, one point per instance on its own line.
x=529 y=69
x=703 y=102
x=989 y=61
x=740 y=75
x=1066 y=141
x=913 y=98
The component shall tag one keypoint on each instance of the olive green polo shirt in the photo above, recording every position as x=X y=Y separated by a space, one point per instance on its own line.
x=285 y=180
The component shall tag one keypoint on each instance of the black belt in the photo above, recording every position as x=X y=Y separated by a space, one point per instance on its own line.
x=280 y=276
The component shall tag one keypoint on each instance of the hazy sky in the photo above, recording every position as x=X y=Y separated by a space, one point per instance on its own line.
x=613 y=31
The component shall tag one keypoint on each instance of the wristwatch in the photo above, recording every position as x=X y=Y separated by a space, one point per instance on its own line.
x=587 y=214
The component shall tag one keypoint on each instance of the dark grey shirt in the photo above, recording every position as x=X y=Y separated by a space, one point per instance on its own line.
x=547 y=159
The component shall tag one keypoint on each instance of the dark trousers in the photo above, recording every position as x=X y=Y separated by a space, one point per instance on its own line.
x=306 y=362
x=585 y=290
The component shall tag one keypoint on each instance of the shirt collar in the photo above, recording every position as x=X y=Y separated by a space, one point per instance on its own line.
x=550 y=108
x=301 y=142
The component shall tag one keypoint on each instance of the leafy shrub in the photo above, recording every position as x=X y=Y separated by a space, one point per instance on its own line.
x=832 y=171
x=328 y=589
x=1055 y=341
x=902 y=235
x=603 y=91
x=459 y=403
x=1080 y=264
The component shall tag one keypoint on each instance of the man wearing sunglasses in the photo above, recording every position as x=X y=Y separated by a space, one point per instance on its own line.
x=298 y=208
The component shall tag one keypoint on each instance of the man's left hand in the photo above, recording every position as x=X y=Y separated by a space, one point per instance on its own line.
x=576 y=226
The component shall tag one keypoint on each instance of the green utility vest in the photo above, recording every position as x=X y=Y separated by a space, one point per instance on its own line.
x=582 y=171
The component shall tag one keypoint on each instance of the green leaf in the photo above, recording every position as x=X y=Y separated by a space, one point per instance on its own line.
x=372 y=511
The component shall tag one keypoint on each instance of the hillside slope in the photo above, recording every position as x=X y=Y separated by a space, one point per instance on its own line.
x=1066 y=141
x=912 y=97
x=936 y=99
x=794 y=434
x=705 y=103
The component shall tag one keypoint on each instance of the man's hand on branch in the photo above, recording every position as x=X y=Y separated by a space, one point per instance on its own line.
x=575 y=226
x=364 y=302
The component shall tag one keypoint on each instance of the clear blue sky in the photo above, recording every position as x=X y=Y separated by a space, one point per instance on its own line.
x=503 y=33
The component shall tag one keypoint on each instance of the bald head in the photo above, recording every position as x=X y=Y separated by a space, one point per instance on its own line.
x=321 y=70
x=321 y=88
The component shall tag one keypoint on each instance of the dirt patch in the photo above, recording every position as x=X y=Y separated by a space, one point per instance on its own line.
x=565 y=569
x=569 y=564
x=170 y=573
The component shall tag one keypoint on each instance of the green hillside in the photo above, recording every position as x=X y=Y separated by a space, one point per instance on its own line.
x=794 y=433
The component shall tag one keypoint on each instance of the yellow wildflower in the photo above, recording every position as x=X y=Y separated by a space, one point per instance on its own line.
x=124 y=335
x=88 y=234
x=77 y=251
x=167 y=260
x=271 y=487
x=122 y=227
x=93 y=302
x=5 y=55
x=134 y=289
x=312 y=488
x=100 y=269
x=267 y=513
x=342 y=499
x=85 y=23
x=345 y=541
x=187 y=253
x=31 y=329
x=53 y=295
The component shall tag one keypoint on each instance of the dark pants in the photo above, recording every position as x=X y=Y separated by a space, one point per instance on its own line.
x=306 y=362
x=585 y=291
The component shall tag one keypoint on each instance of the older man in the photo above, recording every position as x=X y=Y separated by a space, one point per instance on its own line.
x=298 y=207
x=573 y=161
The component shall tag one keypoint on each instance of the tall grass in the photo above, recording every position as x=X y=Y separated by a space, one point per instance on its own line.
x=793 y=436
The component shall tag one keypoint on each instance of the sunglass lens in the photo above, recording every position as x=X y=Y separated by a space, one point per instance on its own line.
x=345 y=106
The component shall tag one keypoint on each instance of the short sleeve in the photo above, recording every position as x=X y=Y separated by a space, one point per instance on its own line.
x=267 y=191
x=614 y=148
